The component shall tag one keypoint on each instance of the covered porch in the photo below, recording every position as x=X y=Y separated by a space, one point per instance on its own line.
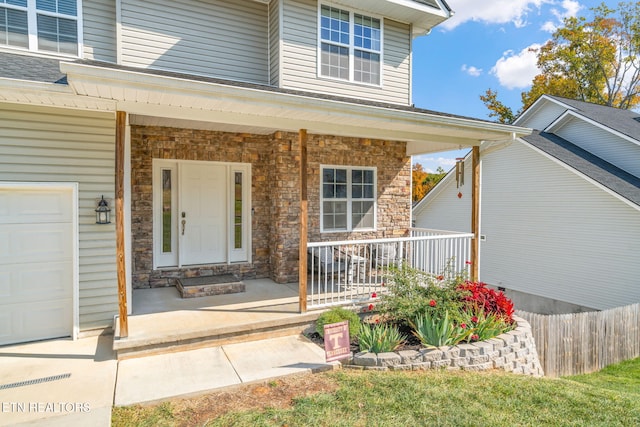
x=287 y=140
x=347 y=273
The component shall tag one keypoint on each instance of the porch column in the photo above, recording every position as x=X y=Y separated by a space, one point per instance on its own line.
x=121 y=122
x=475 y=211
x=302 y=259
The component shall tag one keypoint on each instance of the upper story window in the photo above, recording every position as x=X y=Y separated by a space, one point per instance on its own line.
x=348 y=199
x=350 y=46
x=40 y=25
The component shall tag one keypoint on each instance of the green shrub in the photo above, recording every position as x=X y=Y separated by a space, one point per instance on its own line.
x=413 y=292
x=339 y=314
x=379 y=338
x=434 y=330
x=483 y=326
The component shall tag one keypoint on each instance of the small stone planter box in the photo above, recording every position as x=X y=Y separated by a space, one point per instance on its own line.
x=514 y=351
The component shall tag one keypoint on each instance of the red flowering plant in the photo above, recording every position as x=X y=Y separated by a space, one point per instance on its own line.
x=479 y=297
x=445 y=309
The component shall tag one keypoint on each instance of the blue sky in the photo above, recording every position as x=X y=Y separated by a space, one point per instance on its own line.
x=486 y=44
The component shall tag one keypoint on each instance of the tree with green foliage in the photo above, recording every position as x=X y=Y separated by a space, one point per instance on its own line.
x=422 y=181
x=595 y=61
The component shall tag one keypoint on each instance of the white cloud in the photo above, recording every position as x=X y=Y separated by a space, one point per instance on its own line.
x=493 y=11
x=570 y=8
x=471 y=70
x=516 y=71
x=549 y=27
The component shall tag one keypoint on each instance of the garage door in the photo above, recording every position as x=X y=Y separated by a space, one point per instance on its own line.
x=36 y=263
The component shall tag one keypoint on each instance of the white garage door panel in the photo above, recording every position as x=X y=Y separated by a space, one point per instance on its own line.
x=37 y=282
x=27 y=243
x=34 y=321
x=35 y=206
x=37 y=236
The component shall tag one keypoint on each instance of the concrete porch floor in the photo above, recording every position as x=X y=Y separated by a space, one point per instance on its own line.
x=162 y=321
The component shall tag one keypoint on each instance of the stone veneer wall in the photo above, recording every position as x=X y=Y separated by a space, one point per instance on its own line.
x=514 y=351
x=274 y=194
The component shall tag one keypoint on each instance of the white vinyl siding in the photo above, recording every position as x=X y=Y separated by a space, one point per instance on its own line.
x=39 y=144
x=447 y=211
x=615 y=150
x=225 y=39
x=546 y=114
x=99 y=21
x=299 y=57
x=551 y=233
x=274 y=42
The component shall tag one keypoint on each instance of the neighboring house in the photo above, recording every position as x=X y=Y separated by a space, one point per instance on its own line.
x=198 y=120
x=560 y=208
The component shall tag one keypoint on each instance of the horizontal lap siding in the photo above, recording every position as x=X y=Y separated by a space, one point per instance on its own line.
x=543 y=117
x=274 y=42
x=617 y=151
x=299 y=58
x=59 y=145
x=551 y=233
x=447 y=211
x=226 y=39
x=99 y=32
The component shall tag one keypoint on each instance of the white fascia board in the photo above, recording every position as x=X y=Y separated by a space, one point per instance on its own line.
x=49 y=94
x=581 y=175
x=537 y=106
x=419 y=126
x=571 y=115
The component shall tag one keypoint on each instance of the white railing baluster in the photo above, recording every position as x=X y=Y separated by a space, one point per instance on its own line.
x=349 y=272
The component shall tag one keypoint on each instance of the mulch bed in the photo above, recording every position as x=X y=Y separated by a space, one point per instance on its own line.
x=410 y=343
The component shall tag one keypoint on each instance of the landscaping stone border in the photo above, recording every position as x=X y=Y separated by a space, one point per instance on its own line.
x=514 y=351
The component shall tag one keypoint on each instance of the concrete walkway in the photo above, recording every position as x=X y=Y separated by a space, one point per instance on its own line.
x=76 y=383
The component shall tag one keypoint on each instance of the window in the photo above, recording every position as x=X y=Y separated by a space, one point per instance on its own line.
x=350 y=46
x=348 y=199
x=40 y=25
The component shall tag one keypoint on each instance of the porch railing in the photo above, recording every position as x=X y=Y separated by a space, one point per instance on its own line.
x=353 y=271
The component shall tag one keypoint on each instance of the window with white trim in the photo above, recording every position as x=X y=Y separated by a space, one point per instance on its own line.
x=350 y=46
x=348 y=198
x=40 y=25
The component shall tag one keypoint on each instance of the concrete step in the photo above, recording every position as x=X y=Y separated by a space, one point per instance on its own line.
x=142 y=344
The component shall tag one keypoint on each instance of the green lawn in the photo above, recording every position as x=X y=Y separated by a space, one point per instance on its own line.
x=440 y=398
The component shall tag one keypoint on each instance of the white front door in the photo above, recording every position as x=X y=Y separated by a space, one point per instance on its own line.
x=37 y=233
x=201 y=212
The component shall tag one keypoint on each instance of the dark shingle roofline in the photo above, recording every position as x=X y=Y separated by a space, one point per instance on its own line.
x=615 y=179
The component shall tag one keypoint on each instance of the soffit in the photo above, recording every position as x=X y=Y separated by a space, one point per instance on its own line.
x=166 y=100
x=421 y=16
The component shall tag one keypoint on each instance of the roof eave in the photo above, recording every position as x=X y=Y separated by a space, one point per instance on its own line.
x=167 y=96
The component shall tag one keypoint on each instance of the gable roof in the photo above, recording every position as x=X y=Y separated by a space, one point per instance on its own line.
x=615 y=179
x=626 y=122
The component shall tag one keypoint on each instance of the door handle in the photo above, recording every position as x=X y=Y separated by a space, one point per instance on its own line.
x=184 y=221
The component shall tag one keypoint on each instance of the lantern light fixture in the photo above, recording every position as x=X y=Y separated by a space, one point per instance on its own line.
x=103 y=212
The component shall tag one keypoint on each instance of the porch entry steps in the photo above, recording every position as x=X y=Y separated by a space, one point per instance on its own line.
x=148 y=344
x=202 y=286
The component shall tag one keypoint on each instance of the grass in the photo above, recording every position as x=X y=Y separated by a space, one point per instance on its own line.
x=610 y=397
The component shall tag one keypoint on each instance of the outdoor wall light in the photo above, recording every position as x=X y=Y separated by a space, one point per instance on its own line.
x=103 y=212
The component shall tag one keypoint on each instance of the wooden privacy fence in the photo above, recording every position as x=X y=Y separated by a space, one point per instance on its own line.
x=579 y=343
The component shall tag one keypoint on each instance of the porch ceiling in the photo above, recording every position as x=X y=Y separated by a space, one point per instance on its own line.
x=173 y=100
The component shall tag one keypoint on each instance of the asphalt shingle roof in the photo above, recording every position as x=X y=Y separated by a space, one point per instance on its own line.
x=626 y=122
x=33 y=68
x=24 y=67
x=601 y=171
